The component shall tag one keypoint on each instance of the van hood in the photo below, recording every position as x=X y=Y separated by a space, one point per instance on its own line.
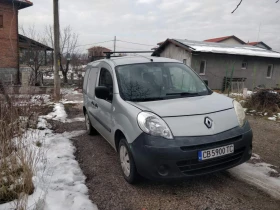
x=187 y=106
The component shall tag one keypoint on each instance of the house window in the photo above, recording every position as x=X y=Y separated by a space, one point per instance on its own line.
x=244 y=65
x=185 y=61
x=1 y=21
x=202 y=68
x=269 y=71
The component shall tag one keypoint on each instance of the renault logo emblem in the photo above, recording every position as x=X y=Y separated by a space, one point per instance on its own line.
x=208 y=122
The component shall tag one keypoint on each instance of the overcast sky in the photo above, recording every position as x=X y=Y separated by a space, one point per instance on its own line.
x=151 y=21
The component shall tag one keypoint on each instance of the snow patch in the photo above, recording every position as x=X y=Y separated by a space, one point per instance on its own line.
x=58 y=113
x=65 y=101
x=58 y=180
x=272 y=118
x=259 y=175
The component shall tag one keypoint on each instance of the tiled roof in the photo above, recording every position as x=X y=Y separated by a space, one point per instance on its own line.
x=21 y=4
x=217 y=39
x=261 y=43
x=219 y=48
x=220 y=39
x=253 y=43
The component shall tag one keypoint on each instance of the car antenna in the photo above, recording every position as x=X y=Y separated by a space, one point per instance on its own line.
x=145 y=57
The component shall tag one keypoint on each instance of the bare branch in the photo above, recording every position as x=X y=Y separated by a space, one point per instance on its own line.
x=277 y=1
x=238 y=6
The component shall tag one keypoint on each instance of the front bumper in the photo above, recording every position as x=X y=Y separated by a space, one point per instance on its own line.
x=159 y=158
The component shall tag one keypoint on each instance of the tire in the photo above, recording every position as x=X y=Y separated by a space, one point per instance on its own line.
x=126 y=159
x=90 y=129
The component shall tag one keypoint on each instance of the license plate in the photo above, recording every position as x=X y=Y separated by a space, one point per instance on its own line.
x=216 y=152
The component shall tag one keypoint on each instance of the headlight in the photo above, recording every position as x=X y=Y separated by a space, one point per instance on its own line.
x=241 y=117
x=153 y=125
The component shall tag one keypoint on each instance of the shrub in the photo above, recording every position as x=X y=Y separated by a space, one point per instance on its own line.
x=264 y=101
x=17 y=158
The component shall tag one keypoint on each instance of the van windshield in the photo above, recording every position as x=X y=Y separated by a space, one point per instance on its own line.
x=158 y=81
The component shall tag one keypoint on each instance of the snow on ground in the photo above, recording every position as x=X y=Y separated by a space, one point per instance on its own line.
x=272 y=118
x=59 y=182
x=66 y=91
x=259 y=175
x=59 y=114
x=65 y=101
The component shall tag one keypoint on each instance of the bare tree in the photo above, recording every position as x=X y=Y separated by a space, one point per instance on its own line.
x=33 y=51
x=68 y=47
x=240 y=4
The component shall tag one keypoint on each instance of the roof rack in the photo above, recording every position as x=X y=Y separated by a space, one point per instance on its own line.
x=108 y=54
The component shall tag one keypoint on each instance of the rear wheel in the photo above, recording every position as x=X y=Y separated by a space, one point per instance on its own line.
x=127 y=163
x=90 y=129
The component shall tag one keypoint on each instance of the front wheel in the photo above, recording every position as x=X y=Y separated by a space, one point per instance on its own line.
x=127 y=163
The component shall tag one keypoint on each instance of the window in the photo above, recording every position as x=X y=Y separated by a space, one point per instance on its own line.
x=1 y=21
x=91 y=83
x=244 y=65
x=106 y=80
x=202 y=68
x=269 y=71
x=86 y=81
x=185 y=61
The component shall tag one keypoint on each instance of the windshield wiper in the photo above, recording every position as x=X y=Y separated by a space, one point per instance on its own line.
x=146 y=99
x=182 y=94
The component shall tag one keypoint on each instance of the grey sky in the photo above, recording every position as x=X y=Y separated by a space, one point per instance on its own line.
x=152 y=21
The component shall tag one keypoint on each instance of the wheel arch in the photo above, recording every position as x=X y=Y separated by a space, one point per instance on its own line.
x=118 y=136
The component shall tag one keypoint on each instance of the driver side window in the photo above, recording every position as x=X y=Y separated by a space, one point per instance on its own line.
x=181 y=80
x=105 y=79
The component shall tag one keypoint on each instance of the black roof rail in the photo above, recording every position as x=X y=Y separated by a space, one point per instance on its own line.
x=108 y=54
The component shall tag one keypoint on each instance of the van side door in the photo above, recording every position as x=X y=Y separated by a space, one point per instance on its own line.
x=91 y=106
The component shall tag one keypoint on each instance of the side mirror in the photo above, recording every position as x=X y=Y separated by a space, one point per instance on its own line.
x=102 y=92
x=206 y=82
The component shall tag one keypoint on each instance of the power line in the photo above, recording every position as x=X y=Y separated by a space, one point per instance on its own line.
x=94 y=43
x=128 y=48
x=136 y=43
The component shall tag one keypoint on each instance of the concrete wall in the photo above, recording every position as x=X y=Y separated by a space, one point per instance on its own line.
x=8 y=75
x=230 y=41
x=217 y=66
x=262 y=46
x=172 y=51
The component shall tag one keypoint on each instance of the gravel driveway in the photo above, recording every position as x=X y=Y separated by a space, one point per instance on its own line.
x=108 y=189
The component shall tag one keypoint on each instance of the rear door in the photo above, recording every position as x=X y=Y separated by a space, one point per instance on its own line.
x=85 y=93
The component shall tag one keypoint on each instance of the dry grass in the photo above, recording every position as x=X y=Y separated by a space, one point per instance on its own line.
x=264 y=101
x=18 y=158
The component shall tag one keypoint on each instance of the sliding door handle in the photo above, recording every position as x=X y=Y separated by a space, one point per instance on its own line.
x=94 y=104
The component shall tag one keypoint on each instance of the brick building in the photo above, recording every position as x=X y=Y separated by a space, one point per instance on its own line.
x=9 y=42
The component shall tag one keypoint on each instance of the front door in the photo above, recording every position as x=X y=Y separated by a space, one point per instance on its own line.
x=104 y=107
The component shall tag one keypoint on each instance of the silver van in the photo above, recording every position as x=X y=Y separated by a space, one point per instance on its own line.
x=162 y=119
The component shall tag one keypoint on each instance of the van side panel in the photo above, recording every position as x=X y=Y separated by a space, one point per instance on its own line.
x=125 y=119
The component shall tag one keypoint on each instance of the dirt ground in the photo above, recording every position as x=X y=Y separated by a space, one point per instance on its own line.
x=108 y=189
x=266 y=142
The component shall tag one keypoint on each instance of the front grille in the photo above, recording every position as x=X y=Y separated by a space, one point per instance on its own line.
x=195 y=167
x=213 y=144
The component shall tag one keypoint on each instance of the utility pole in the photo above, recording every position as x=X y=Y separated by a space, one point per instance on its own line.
x=56 y=51
x=115 y=40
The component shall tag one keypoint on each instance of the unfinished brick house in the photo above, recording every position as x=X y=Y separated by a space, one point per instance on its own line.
x=9 y=41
